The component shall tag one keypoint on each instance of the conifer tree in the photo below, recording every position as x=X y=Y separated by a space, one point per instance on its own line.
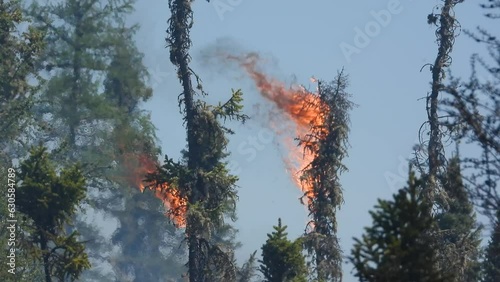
x=81 y=36
x=327 y=142
x=472 y=108
x=96 y=82
x=433 y=165
x=134 y=136
x=21 y=44
x=248 y=270
x=461 y=236
x=397 y=247
x=282 y=259
x=50 y=202
x=19 y=55
x=27 y=266
x=492 y=258
x=201 y=178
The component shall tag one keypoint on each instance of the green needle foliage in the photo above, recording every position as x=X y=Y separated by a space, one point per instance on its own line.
x=143 y=230
x=50 y=201
x=20 y=49
x=91 y=104
x=248 y=270
x=19 y=54
x=396 y=247
x=282 y=259
x=472 y=110
x=328 y=142
x=28 y=266
x=492 y=259
x=80 y=38
x=201 y=178
x=459 y=235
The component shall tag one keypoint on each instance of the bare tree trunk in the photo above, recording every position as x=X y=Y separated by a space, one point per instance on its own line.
x=45 y=255
x=181 y=14
x=445 y=36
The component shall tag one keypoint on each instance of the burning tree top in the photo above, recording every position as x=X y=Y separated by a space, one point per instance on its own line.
x=139 y=167
x=304 y=109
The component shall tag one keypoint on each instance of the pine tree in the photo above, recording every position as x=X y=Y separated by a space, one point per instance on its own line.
x=492 y=259
x=50 y=201
x=397 y=247
x=282 y=259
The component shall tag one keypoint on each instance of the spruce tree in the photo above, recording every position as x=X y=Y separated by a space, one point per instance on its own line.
x=397 y=247
x=282 y=259
x=27 y=265
x=248 y=270
x=201 y=178
x=19 y=56
x=327 y=142
x=50 y=202
x=81 y=37
x=460 y=238
x=492 y=259
x=435 y=160
x=432 y=165
x=472 y=108
x=137 y=213
x=210 y=191
x=96 y=82
x=21 y=44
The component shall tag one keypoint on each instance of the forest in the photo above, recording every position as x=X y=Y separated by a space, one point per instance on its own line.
x=108 y=174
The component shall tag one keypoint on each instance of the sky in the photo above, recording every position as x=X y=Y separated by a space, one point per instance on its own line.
x=300 y=39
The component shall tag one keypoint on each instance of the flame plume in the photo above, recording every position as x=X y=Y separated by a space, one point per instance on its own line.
x=175 y=205
x=304 y=109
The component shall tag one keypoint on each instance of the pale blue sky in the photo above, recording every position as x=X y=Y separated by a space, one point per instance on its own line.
x=303 y=38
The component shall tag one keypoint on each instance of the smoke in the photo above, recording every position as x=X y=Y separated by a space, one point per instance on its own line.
x=290 y=111
x=227 y=58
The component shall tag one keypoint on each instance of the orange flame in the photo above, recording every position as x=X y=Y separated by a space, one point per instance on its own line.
x=303 y=108
x=175 y=205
